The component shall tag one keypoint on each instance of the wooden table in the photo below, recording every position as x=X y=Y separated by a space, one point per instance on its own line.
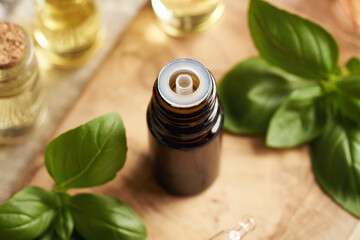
x=277 y=187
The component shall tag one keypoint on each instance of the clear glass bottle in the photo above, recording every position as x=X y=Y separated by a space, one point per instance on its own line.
x=238 y=232
x=68 y=31
x=185 y=120
x=21 y=101
x=185 y=17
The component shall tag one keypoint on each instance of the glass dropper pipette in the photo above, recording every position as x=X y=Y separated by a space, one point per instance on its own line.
x=245 y=225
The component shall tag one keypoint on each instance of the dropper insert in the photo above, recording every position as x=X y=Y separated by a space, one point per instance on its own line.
x=184 y=84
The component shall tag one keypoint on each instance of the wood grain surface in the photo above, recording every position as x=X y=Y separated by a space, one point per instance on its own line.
x=276 y=187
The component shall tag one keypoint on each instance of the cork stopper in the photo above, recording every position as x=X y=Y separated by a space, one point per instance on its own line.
x=12 y=45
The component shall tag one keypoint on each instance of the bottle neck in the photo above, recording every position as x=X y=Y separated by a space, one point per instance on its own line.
x=183 y=127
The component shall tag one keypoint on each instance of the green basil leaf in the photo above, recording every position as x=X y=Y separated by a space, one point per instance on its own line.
x=64 y=223
x=27 y=214
x=350 y=85
x=299 y=119
x=250 y=93
x=50 y=234
x=305 y=95
x=353 y=65
x=101 y=217
x=293 y=43
x=46 y=236
x=335 y=157
x=88 y=155
x=76 y=236
x=349 y=107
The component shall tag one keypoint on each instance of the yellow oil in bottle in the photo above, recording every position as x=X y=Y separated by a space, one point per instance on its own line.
x=184 y=17
x=67 y=30
x=21 y=99
x=21 y=108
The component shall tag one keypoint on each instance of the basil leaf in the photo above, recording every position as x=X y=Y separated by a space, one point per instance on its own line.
x=64 y=223
x=76 y=236
x=299 y=119
x=350 y=85
x=305 y=95
x=88 y=155
x=293 y=43
x=101 y=217
x=349 y=107
x=335 y=157
x=50 y=234
x=27 y=214
x=353 y=65
x=250 y=94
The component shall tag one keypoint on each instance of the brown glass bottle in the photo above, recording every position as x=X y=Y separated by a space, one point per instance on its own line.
x=185 y=128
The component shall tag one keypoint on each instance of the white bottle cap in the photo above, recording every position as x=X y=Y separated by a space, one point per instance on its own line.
x=184 y=97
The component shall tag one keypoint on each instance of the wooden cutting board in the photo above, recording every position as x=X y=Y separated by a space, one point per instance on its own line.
x=276 y=187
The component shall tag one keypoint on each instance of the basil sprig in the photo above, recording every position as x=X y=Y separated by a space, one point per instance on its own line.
x=86 y=156
x=296 y=93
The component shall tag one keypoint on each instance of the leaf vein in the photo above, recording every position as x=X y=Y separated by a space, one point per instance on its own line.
x=29 y=222
x=91 y=161
x=105 y=223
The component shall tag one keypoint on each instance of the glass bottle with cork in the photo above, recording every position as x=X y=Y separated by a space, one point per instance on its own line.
x=185 y=120
x=21 y=100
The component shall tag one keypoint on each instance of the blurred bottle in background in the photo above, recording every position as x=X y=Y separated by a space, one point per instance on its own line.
x=21 y=99
x=185 y=17
x=68 y=31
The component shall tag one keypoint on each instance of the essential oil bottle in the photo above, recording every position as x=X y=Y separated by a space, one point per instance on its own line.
x=68 y=31
x=21 y=101
x=185 y=120
x=186 y=17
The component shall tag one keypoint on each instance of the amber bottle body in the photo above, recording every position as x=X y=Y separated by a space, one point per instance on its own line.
x=186 y=172
x=185 y=143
